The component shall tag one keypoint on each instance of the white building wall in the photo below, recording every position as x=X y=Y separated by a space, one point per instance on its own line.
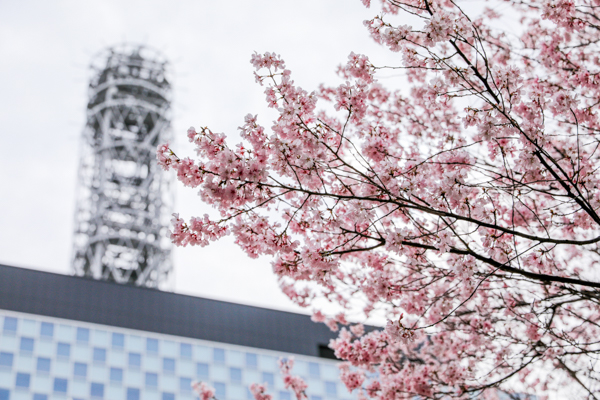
x=44 y=358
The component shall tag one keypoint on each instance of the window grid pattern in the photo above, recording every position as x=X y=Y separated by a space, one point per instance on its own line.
x=80 y=361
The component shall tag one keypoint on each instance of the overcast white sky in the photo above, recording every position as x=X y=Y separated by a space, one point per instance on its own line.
x=45 y=50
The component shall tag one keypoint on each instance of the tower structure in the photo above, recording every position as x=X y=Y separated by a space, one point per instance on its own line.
x=123 y=203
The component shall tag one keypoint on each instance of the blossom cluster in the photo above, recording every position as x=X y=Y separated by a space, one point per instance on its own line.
x=203 y=391
x=293 y=382
x=466 y=201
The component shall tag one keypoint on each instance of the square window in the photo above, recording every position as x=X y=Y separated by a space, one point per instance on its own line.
x=283 y=395
x=6 y=359
x=152 y=345
x=269 y=379
x=26 y=344
x=331 y=388
x=10 y=325
x=202 y=370
x=116 y=375
x=80 y=370
x=22 y=380
x=4 y=394
x=185 y=385
x=133 y=394
x=43 y=364
x=99 y=355
x=135 y=360
x=38 y=396
x=313 y=370
x=118 y=340
x=63 y=350
x=219 y=356
x=47 y=330
x=168 y=396
x=185 y=350
x=251 y=360
x=235 y=374
x=97 y=390
x=220 y=390
x=151 y=379
x=83 y=335
x=60 y=385
x=168 y=365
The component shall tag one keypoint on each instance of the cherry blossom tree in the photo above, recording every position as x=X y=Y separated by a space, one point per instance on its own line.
x=464 y=207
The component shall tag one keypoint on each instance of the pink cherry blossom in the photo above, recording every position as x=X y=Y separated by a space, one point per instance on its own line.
x=293 y=382
x=260 y=392
x=204 y=391
x=462 y=208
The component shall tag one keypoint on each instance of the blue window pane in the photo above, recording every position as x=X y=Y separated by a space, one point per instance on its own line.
x=152 y=345
x=135 y=359
x=80 y=370
x=283 y=395
x=118 y=340
x=185 y=350
x=268 y=378
x=43 y=364
x=251 y=360
x=168 y=365
x=316 y=398
x=331 y=388
x=26 y=344
x=4 y=394
x=202 y=370
x=10 y=324
x=185 y=385
x=47 y=329
x=39 y=396
x=168 y=396
x=116 y=375
x=313 y=370
x=220 y=390
x=6 y=359
x=97 y=390
x=99 y=355
x=22 y=380
x=60 y=385
x=133 y=394
x=235 y=374
x=219 y=355
x=151 y=379
x=63 y=349
x=83 y=335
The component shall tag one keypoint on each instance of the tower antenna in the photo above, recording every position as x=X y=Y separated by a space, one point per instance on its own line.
x=123 y=201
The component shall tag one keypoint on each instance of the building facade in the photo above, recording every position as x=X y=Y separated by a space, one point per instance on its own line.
x=65 y=337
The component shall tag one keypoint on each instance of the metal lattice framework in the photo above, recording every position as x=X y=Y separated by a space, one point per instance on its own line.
x=123 y=203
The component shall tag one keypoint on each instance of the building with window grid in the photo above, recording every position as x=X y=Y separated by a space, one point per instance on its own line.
x=64 y=337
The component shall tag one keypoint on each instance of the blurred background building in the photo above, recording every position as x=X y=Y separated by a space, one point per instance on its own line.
x=65 y=337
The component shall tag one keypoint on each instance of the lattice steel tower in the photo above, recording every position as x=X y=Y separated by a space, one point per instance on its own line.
x=123 y=203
